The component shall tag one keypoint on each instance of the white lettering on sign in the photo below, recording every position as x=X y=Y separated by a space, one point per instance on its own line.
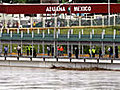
x=82 y=8
x=55 y=9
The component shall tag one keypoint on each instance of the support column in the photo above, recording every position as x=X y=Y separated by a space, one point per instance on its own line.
x=58 y=31
x=80 y=21
x=114 y=49
x=79 y=49
x=7 y=30
x=68 y=23
x=48 y=31
x=17 y=30
x=82 y=49
x=55 y=21
x=32 y=48
x=5 y=21
x=114 y=20
x=43 y=47
x=43 y=22
x=103 y=49
x=71 y=49
x=90 y=49
x=28 y=31
x=38 y=31
x=21 y=47
x=10 y=46
x=19 y=21
x=38 y=48
x=31 y=22
x=68 y=49
x=0 y=47
x=103 y=23
x=91 y=21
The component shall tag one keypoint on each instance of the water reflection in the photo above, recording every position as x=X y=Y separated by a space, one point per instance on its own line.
x=18 y=78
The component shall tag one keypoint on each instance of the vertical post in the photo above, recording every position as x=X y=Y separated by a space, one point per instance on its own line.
x=32 y=34
x=68 y=34
x=72 y=49
x=68 y=48
x=43 y=34
x=71 y=31
x=90 y=49
x=58 y=31
x=21 y=34
x=44 y=22
x=57 y=34
x=7 y=30
x=108 y=12
x=32 y=48
x=19 y=21
x=68 y=22
x=82 y=32
x=38 y=31
x=90 y=35
x=43 y=48
x=79 y=35
x=93 y=31
x=17 y=30
x=103 y=21
x=0 y=34
x=38 y=48
x=10 y=46
x=11 y=34
x=79 y=49
x=114 y=49
x=31 y=21
x=21 y=47
x=91 y=21
x=103 y=49
x=114 y=34
x=114 y=20
x=48 y=31
x=79 y=21
x=82 y=49
x=28 y=31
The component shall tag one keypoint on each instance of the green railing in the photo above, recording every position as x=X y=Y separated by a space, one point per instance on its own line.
x=61 y=37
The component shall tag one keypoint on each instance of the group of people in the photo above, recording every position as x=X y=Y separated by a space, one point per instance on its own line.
x=60 y=51
x=92 y=52
x=29 y=51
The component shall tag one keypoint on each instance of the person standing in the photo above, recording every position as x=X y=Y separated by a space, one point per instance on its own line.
x=52 y=51
x=30 y=49
x=61 y=50
x=93 y=52
x=76 y=52
x=19 y=50
x=34 y=53
x=48 y=50
x=100 y=53
x=116 y=51
x=111 y=52
x=5 y=50
x=27 y=49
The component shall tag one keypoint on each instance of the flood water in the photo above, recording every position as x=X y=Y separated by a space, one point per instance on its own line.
x=19 y=78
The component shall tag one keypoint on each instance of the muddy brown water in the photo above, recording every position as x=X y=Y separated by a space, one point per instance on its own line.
x=21 y=78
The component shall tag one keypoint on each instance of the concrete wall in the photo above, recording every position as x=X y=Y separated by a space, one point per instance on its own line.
x=48 y=64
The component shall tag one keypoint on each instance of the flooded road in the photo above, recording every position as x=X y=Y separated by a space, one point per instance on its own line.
x=18 y=78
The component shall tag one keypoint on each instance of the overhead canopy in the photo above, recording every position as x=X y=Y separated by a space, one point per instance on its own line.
x=56 y=8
